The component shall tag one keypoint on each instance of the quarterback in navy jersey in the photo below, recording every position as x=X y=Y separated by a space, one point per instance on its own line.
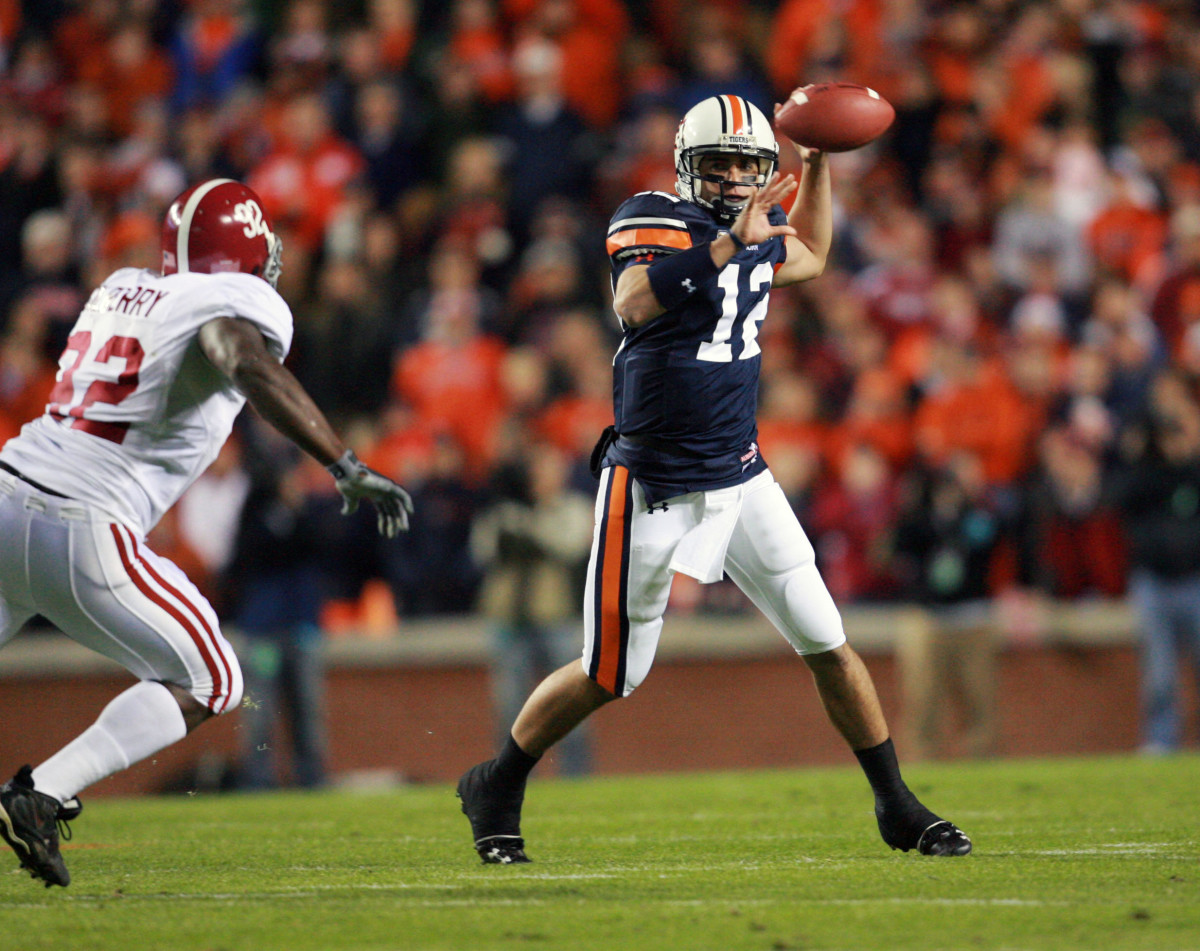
x=683 y=487
x=689 y=384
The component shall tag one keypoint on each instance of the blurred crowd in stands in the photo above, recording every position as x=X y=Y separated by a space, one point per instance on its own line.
x=1011 y=316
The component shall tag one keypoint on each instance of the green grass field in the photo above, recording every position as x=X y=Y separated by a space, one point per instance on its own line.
x=1097 y=854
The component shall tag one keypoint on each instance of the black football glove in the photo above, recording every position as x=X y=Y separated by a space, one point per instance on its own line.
x=356 y=481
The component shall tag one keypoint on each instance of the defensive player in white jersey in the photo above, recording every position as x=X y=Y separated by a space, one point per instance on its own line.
x=683 y=487
x=153 y=374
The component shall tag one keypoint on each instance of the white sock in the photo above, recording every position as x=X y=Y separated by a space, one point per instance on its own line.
x=142 y=720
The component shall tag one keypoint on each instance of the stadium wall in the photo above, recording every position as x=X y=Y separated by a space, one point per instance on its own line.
x=726 y=693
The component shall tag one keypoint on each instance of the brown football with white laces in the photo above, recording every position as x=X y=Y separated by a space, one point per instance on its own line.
x=834 y=117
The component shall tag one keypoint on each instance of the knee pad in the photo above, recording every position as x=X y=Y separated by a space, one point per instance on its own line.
x=815 y=618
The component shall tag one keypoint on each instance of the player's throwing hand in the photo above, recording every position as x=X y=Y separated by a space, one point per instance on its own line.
x=752 y=225
x=357 y=481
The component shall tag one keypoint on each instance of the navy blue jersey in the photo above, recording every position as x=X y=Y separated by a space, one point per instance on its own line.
x=685 y=385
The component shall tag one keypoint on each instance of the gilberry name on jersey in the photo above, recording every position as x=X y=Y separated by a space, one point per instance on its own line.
x=132 y=301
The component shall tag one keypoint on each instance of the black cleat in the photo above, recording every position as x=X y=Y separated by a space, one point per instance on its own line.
x=944 y=838
x=502 y=850
x=495 y=817
x=30 y=823
x=917 y=828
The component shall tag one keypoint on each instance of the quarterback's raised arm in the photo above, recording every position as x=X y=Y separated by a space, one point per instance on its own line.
x=812 y=217
x=237 y=349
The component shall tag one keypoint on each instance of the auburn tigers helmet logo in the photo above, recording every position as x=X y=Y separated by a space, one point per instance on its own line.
x=219 y=226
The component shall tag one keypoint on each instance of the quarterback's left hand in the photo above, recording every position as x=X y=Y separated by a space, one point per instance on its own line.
x=753 y=225
x=357 y=481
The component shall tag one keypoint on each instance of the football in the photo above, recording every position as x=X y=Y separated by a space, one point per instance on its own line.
x=834 y=117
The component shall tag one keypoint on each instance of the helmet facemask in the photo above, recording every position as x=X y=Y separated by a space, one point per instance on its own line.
x=274 y=264
x=725 y=207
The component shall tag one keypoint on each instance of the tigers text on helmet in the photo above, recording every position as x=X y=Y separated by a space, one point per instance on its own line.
x=728 y=125
x=218 y=226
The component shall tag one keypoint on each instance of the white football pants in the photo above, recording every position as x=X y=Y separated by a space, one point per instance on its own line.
x=99 y=584
x=629 y=577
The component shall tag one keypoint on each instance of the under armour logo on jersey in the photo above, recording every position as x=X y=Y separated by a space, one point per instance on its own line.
x=249 y=214
x=661 y=507
x=688 y=285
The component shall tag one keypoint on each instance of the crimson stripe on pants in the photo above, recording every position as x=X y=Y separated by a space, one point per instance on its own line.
x=188 y=624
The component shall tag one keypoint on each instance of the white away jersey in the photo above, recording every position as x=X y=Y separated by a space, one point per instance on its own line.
x=138 y=412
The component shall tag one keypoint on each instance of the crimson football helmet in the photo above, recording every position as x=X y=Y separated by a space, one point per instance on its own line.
x=218 y=226
x=727 y=125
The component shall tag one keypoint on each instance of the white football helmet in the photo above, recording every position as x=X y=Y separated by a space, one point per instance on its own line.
x=723 y=124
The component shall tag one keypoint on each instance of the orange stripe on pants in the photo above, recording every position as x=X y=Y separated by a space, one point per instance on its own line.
x=612 y=588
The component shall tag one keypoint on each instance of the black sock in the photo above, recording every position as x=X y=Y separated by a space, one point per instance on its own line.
x=883 y=772
x=513 y=765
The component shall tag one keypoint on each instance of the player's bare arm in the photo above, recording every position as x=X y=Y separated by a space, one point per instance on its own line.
x=634 y=299
x=237 y=349
x=811 y=217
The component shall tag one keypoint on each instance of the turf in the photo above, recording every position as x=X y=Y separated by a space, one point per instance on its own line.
x=1089 y=854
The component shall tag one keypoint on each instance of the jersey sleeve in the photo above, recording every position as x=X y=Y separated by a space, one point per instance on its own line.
x=646 y=227
x=253 y=299
x=777 y=216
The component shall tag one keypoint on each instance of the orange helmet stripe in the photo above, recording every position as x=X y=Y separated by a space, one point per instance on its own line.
x=739 y=117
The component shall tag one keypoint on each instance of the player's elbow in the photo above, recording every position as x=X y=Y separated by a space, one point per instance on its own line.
x=816 y=259
x=798 y=274
x=633 y=297
x=635 y=318
x=636 y=309
x=812 y=266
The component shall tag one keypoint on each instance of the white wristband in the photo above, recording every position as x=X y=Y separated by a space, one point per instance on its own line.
x=344 y=467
